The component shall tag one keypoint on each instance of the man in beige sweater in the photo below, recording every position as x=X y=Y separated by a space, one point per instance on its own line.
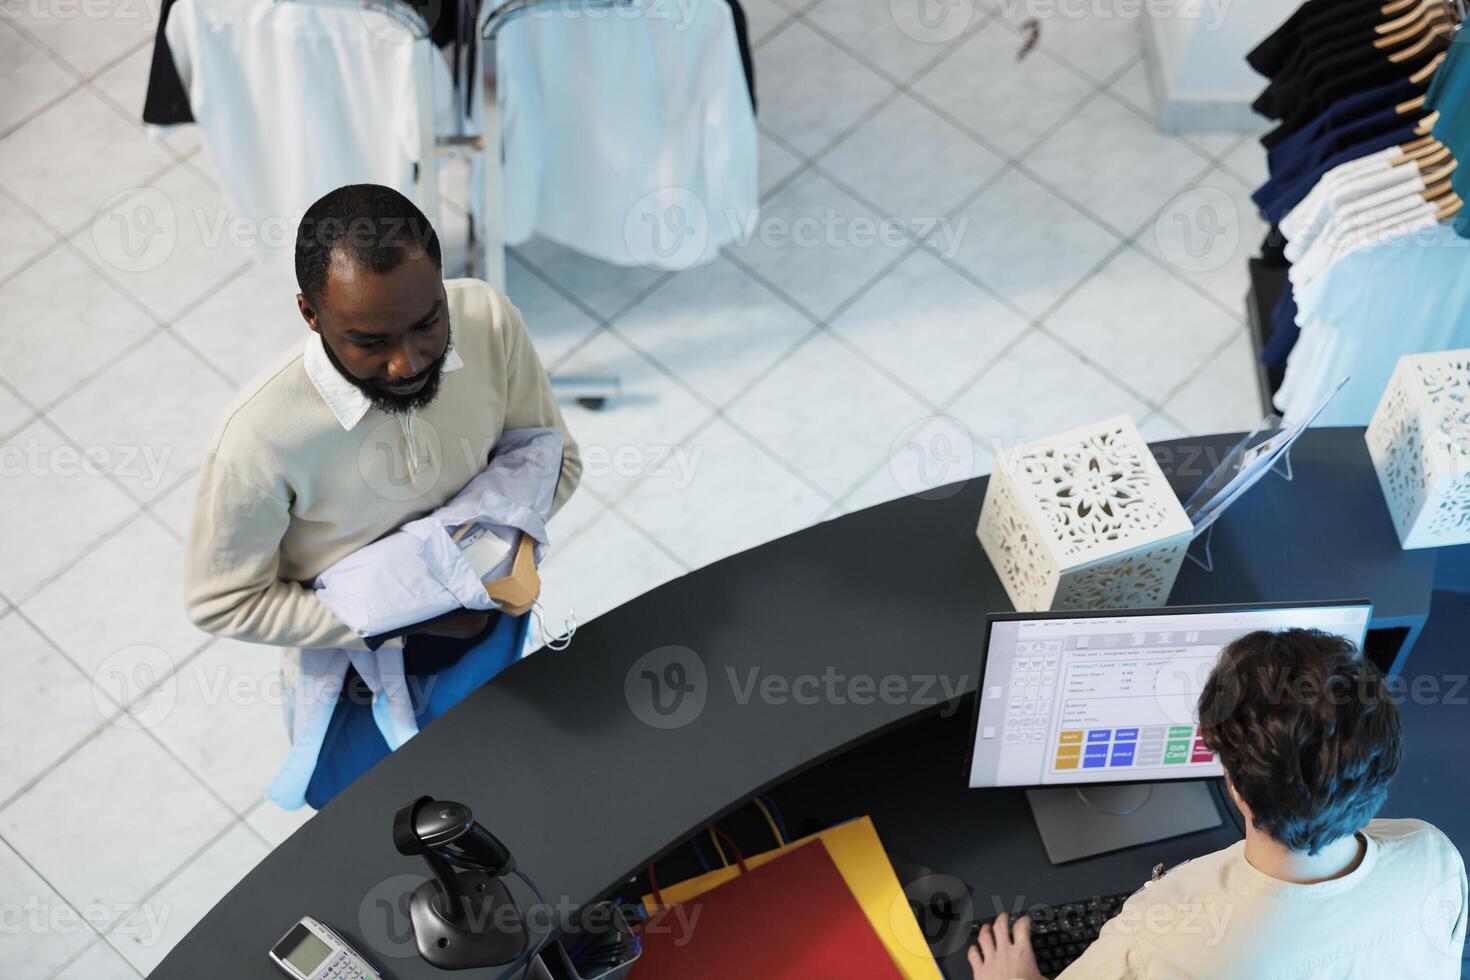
x=1310 y=740
x=393 y=400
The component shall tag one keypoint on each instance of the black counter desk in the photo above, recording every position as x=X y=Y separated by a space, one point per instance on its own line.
x=554 y=759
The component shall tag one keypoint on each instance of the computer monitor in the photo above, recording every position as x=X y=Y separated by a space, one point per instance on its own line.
x=1081 y=698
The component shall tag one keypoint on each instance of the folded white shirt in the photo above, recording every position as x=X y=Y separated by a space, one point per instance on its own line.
x=1343 y=182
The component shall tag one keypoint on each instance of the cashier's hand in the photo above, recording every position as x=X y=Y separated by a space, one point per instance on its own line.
x=460 y=626
x=1004 y=952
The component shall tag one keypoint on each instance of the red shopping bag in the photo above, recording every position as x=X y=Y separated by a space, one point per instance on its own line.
x=793 y=918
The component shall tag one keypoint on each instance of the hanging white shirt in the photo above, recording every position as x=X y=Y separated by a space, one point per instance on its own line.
x=1343 y=182
x=629 y=134
x=1391 y=289
x=1357 y=226
x=1409 y=182
x=294 y=99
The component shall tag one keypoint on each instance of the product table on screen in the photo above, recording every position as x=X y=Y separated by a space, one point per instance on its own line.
x=1069 y=700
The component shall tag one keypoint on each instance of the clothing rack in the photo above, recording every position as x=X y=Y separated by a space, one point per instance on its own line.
x=1367 y=95
x=476 y=119
x=476 y=131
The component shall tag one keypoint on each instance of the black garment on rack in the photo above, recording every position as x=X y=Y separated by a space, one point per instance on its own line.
x=1319 y=58
x=742 y=38
x=1271 y=54
x=1373 y=75
x=1313 y=22
x=1344 y=110
x=1353 y=69
x=166 y=103
x=1353 y=23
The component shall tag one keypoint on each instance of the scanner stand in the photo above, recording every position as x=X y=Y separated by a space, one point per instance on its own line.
x=463 y=919
x=1081 y=821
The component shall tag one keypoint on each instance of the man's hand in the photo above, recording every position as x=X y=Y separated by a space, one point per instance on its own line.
x=458 y=626
x=1004 y=952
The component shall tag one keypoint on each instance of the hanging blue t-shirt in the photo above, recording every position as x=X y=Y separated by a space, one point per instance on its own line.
x=1314 y=154
x=1343 y=111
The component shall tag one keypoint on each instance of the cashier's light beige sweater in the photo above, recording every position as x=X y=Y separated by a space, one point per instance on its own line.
x=285 y=489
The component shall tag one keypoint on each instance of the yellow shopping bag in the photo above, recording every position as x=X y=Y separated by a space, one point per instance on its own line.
x=859 y=856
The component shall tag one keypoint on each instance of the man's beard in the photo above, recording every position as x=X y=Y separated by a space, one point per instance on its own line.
x=390 y=403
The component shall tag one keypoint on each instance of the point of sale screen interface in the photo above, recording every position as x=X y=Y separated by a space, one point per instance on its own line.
x=1113 y=698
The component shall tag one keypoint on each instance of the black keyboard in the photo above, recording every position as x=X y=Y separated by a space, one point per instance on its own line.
x=1061 y=933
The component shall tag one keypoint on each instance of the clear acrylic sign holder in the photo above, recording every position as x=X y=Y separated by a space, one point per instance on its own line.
x=1282 y=468
x=1266 y=448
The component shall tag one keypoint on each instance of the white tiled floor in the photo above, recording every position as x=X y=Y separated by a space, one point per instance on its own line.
x=1049 y=275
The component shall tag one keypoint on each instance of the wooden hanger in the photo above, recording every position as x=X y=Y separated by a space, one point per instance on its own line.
x=1436 y=191
x=1449 y=210
x=1419 y=150
x=1397 y=7
x=1415 y=14
x=1437 y=35
x=1441 y=174
x=1418 y=26
x=1434 y=159
x=1423 y=74
x=1438 y=182
x=1426 y=125
x=517 y=591
x=1404 y=108
x=1424 y=160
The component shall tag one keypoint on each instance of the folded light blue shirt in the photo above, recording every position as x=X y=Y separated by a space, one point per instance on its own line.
x=412 y=575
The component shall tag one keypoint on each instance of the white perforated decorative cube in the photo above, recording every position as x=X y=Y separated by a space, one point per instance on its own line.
x=1084 y=520
x=1420 y=443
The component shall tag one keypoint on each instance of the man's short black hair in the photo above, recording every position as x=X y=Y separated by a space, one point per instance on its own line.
x=1306 y=729
x=374 y=226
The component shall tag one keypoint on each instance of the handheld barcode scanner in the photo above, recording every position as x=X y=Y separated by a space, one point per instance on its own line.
x=464 y=917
